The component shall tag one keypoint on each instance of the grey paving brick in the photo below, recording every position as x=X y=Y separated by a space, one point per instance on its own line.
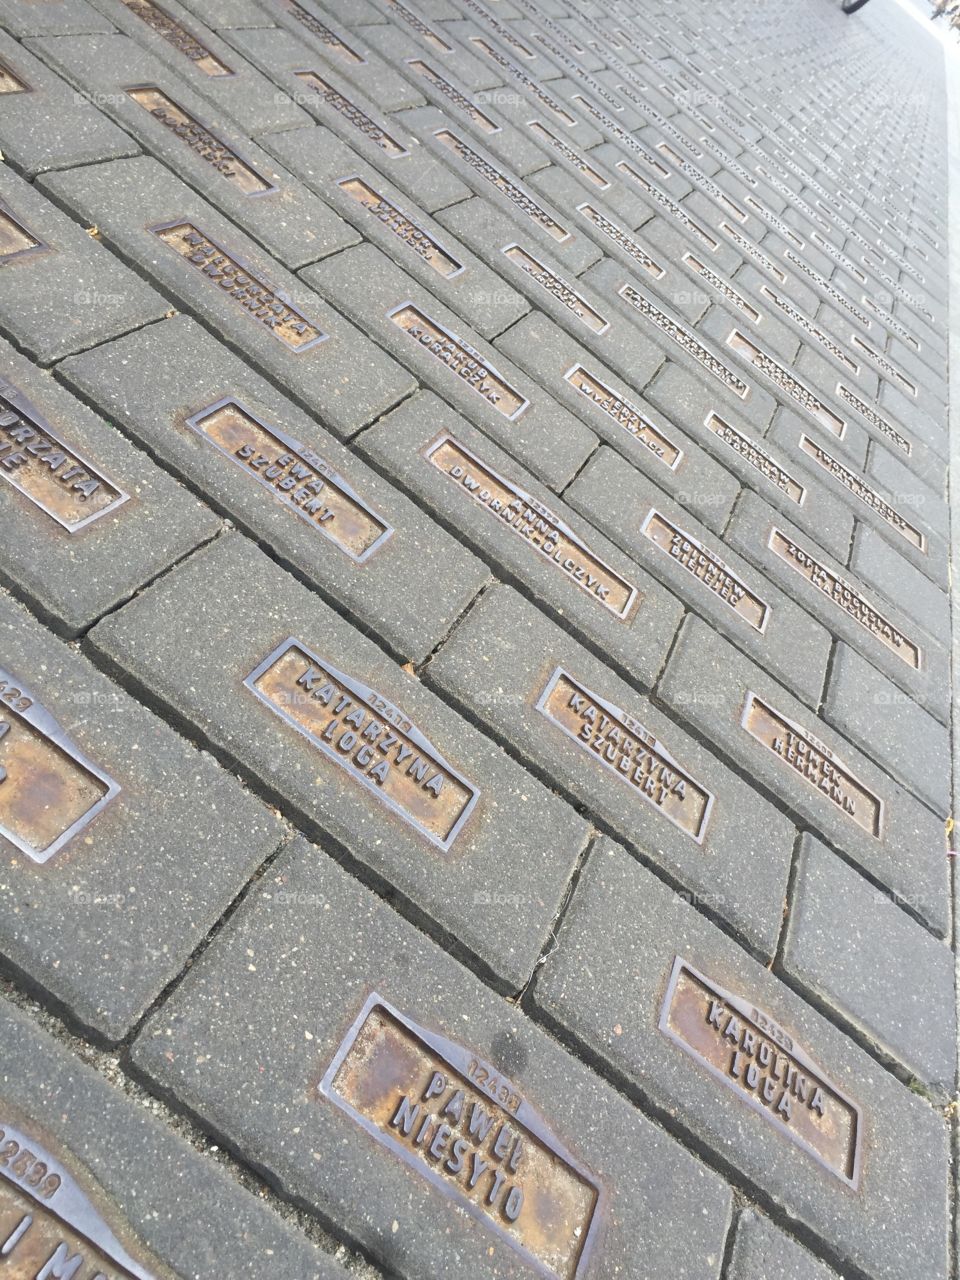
x=315 y=355
x=192 y=138
x=672 y=545
x=887 y=635
x=102 y=920
x=58 y=18
x=842 y=796
x=417 y=243
x=132 y=1171
x=761 y=1250
x=446 y=356
x=877 y=562
x=74 y=130
x=893 y=983
x=353 y=537
x=401 y=30
x=505 y=660
x=608 y=984
x=499 y=824
x=61 y=291
x=553 y=555
x=329 y=1146
x=85 y=519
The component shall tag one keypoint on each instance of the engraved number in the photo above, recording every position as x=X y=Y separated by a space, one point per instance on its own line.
x=27 y=1168
x=497 y=1090
x=14 y=696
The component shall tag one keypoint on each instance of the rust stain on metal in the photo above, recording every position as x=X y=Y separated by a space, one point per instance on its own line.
x=10 y=82
x=16 y=240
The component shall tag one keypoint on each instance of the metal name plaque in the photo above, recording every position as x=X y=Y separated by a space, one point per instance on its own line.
x=391 y=148
x=11 y=82
x=170 y=30
x=49 y=1227
x=870 y=414
x=326 y=35
x=625 y=415
x=459 y=1123
x=757 y=457
x=402 y=226
x=620 y=237
x=368 y=737
x=786 y=381
x=814 y=762
x=49 y=790
x=621 y=744
x=558 y=288
x=450 y=92
x=748 y=1052
x=55 y=477
x=868 y=496
x=16 y=240
x=685 y=339
x=296 y=476
x=540 y=130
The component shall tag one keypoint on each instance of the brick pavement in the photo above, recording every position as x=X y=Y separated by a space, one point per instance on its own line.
x=475 y=641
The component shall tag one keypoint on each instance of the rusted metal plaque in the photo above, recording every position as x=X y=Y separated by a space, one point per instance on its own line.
x=10 y=82
x=512 y=190
x=461 y=359
x=16 y=240
x=845 y=597
x=533 y=87
x=757 y=457
x=558 y=288
x=391 y=148
x=535 y=523
x=870 y=414
x=296 y=476
x=366 y=736
x=452 y=94
x=720 y=286
x=177 y=35
x=694 y=175
x=622 y=745
x=670 y=206
x=686 y=339
x=418 y=25
x=625 y=415
x=268 y=306
x=36 y=461
x=49 y=790
x=402 y=226
x=785 y=380
x=200 y=139
x=459 y=1123
x=334 y=42
x=708 y=568
x=814 y=762
x=543 y=134
x=881 y=361
x=801 y=321
x=503 y=29
x=752 y=251
x=49 y=1227
x=621 y=238
x=772 y=220
x=860 y=489
x=830 y=290
x=891 y=322
x=761 y=1063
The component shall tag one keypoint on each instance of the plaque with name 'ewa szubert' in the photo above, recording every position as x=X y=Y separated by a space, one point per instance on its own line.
x=469 y=1132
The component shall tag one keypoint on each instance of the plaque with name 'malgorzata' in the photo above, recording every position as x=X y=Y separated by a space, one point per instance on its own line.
x=468 y=1131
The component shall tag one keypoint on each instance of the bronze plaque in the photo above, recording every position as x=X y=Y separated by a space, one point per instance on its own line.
x=40 y=465
x=757 y=457
x=891 y=322
x=402 y=226
x=778 y=224
x=459 y=100
x=200 y=139
x=881 y=361
x=670 y=206
x=624 y=135
x=418 y=25
x=707 y=568
x=813 y=761
x=236 y=280
x=686 y=339
x=693 y=174
x=359 y=119
x=10 y=82
x=751 y=250
x=512 y=190
x=535 y=523
x=366 y=736
x=16 y=240
x=786 y=381
x=503 y=30
x=335 y=43
x=461 y=359
x=296 y=476
x=620 y=237
x=622 y=745
x=533 y=87
x=540 y=130
x=49 y=790
x=720 y=286
x=845 y=597
x=830 y=290
x=625 y=415
x=49 y=1227
x=807 y=326
x=748 y=1052
x=459 y=1123
x=860 y=489
x=558 y=287
x=181 y=39
x=870 y=414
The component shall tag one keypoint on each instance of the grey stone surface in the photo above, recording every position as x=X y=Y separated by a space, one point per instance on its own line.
x=895 y=983
x=58 y=18
x=160 y=1197
x=458 y=365
x=708 y=684
x=762 y=1251
x=240 y=608
x=409 y=590
x=498 y=665
x=880 y=564
x=605 y=983
x=251 y=1032
x=350 y=379
x=114 y=915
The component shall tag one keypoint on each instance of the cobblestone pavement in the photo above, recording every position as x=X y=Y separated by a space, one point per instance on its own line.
x=475 y=666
